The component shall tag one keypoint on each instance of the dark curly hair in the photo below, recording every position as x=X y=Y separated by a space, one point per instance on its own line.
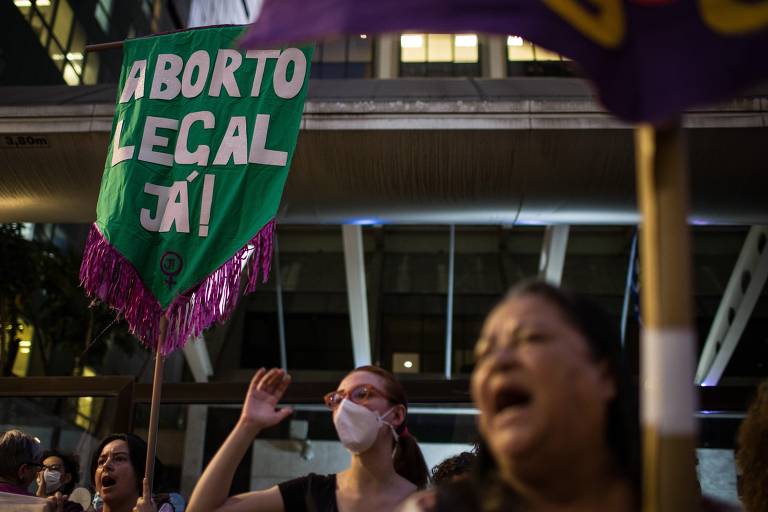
x=458 y=465
x=752 y=453
x=71 y=467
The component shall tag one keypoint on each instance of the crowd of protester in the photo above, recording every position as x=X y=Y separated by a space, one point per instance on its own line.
x=558 y=430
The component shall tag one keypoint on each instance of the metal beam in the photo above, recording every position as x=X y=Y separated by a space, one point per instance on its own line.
x=196 y=354
x=280 y=314
x=553 y=253
x=628 y=285
x=194 y=447
x=421 y=391
x=741 y=294
x=354 y=264
x=449 y=306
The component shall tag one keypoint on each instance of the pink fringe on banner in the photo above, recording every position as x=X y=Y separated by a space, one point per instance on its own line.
x=107 y=276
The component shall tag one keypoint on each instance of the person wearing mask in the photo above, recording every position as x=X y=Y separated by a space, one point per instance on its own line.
x=117 y=472
x=20 y=462
x=557 y=415
x=369 y=412
x=60 y=473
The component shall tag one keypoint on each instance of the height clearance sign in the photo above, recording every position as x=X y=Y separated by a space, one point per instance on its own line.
x=202 y=141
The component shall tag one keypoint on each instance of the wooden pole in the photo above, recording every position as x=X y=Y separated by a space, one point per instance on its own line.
x=668 y=395
x=154 y=410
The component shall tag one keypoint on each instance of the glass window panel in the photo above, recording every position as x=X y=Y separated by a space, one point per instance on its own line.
x=439 y=47
x=77 y=47
x=40 y=29
x=106 y=5
x=519 y=49
x=335 y=50
x=70 y=75
x=413 y=48
x=24 y=6
x=544 y=54
x=465 y=48
x=359 y=49
x=102 y=17
x=62 y=25
x=147 y=9
x=57 y=55
x=45 y=8
x=91 y=74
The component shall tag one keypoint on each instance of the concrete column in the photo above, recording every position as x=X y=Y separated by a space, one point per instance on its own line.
x=387 y=56
x=553 y=250
x=194 y=444
x=354 y=263
x=494 y=58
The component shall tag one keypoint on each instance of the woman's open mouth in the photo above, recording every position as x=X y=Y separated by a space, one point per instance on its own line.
x=511 y=397
x=107 y=482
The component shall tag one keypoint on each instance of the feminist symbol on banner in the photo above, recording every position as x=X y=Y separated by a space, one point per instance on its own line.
x=170 y=265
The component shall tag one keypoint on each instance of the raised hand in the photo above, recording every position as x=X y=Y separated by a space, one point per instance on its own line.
x=260 y=406
x=145 y=502
x=40 y=484
x=55 y=503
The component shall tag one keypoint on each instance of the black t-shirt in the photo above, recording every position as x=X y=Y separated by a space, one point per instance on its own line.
x=311 y=493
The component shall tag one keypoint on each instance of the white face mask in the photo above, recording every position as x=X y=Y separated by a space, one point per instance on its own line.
x=52 y=480
x=358 y=426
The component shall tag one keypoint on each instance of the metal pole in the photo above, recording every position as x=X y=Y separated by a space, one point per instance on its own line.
x=449 y=308
x=354 y=267
x=280 y=317
x=667 y=350
x=154 y=410
x=628 y=288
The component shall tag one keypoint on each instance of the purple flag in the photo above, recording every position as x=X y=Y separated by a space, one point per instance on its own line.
x=649 y=59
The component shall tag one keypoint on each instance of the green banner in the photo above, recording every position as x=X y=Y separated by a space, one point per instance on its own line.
x=202 y=141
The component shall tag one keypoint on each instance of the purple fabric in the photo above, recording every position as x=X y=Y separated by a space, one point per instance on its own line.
x=14 y=489
x=107 y=276
x=667 y=61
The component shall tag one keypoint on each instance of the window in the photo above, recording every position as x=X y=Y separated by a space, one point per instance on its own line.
x=102 y=14
x=54 y=23
x=439 y=55
x=351 y=57
x=526 y=59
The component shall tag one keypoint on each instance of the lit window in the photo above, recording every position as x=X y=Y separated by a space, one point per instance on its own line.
x=412 y=48
x=439 y=48
x=63 y=23
x=466 y=48
x=518 y=49
x=456 y=48
x=544 y=54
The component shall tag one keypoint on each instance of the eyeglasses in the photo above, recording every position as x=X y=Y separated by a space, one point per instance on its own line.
x=358 y=394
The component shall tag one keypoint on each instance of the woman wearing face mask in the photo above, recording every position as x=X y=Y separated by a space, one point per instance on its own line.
x=60 y=474
x=369 y=413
